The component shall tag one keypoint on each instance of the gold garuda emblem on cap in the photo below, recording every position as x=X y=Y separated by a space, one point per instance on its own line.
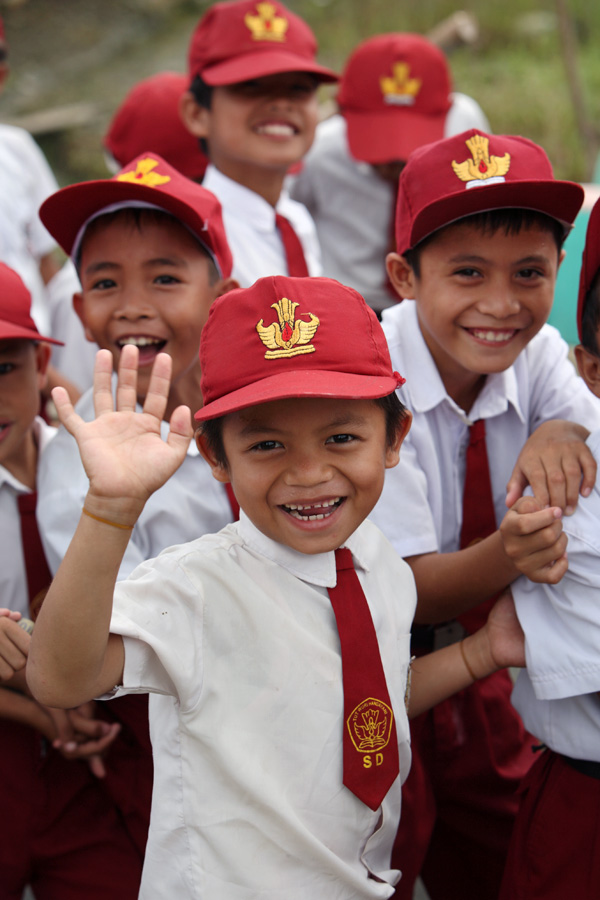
x=266 y=25
x=289 y=336
x=370 y=725
x=144 y=174
x=400 y=89
x=483 y=168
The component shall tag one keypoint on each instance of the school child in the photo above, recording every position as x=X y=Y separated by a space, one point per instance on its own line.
x=283 y=736
x=395 y=94
x=148 y=119
x=479 y=229
x=151 y=254
x=554 y=848
x=253 y=103
x=59 y=831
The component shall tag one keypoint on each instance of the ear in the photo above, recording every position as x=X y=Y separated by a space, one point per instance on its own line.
x=392 y=454
x=561 y=257
x=43 y=353
x=401 y=275
x=589 y=368
x=225 y=285
x=78 y=306
x=196 y=118
x=219 y=471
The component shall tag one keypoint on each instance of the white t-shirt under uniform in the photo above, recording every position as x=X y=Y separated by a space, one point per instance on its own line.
x=557 y=695
x=253 y=237
x=235 y=638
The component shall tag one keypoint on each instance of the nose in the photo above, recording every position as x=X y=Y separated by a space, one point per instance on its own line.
x=307 y=469
x=500 y=300
x=134 y=304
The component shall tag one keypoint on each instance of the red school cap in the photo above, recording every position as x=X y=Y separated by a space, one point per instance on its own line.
x=394 y=95
x=15 y=310
x=243 y=39
x=475 y=172
x=322 y=340
x=147 y=181
x=590 y=261
x=148 y=119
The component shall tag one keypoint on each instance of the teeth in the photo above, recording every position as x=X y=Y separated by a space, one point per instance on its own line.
x=139 y=341
x=279 y=130
x=493 y=336
x=322 y=505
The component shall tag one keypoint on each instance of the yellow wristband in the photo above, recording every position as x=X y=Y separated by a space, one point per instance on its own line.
x=466 y=662
x=106 y=521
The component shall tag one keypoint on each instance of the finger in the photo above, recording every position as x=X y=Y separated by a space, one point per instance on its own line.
x=515 y=486
x=103 y=369
x=157 y=395
x=88 y=728
x=551 y=573
x=180 y=430
x=526 y=504
x=527 y=523
x=97 y=767
x=65 y=410
x=90 y=748
x=590 y=469
x=10 y=614
x=127 y=381
x=539 y=483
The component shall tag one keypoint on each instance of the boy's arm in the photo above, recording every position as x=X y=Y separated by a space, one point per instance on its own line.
x=500 y=643
x=534 y=540
x=73 y=657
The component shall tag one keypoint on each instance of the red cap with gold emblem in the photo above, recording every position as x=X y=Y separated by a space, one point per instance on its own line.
x=475 y=172
x=147 y=181
x=292 y=337
x=590 y=262
x=15 y=310
x=148 y=119
x=244 y=39
x=394 y=95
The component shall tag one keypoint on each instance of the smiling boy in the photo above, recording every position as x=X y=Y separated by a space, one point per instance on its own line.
x=253 y=103
x=480 y=225
x=281 y=672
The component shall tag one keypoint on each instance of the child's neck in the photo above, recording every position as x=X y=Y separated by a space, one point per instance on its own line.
x=464 y=389
x=24 y=468
x=267 y=183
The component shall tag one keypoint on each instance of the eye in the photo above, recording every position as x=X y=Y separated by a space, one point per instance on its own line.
x=468 y=272
x=103 y=284
x=6 y=368
x=341 y=439
x=264 y=446
x=166 y=279
x=530 y=274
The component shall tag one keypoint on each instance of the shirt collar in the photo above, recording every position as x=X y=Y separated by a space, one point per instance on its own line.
x=315 y=568
x=426 y=388
x=233 y=195
x=43 y=434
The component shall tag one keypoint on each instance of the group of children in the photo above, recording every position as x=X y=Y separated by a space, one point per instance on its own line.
x=268 y=495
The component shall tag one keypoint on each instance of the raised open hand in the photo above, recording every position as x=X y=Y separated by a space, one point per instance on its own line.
x=122 y=450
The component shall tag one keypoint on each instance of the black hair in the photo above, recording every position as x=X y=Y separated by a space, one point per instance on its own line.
x=590 y=319
x=395 y=414
x=202 y=93
x=137 y=216
x=510 y=220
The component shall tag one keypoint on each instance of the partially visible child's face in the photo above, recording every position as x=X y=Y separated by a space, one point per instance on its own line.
x=148 y=286
x=481 y=297
x=266 y=124
x=307 y=471
x=22 y=376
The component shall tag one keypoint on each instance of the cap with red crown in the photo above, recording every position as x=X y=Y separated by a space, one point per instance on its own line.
x=15 y=309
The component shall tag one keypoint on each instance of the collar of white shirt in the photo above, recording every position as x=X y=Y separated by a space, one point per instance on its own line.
x=425 y=386
x=43 y=435
x=247 y=203
x=315 y=568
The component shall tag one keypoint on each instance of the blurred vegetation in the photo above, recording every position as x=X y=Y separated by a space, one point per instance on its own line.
x=65 y=52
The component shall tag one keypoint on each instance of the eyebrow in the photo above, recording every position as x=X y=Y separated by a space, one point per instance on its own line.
x=471 y=258
x=107 y=266
x=255 y=426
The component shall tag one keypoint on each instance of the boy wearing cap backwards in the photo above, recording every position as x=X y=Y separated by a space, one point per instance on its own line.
x=395 y=95
x=554 y=848
x=59 y=831
x=253 y=101
x=479 y=227
x=151 y=254
x=283 y=737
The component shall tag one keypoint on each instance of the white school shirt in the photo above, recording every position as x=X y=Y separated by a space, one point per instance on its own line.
x=235 y=638
x=13 y=573
x=556 y=695
x=26 y=180
x=253 y=238
x=353 y=207
x=420 y=509
x=191 y=502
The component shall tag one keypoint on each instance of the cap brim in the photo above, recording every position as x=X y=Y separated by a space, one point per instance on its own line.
x=311 y=383
x=590 y=262
x=58 y=211
x=388 y=135
x=561 y=200
x=258 y=65
x=11 y=332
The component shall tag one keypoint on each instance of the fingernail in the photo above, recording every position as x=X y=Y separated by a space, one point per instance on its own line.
x=586 y=491
x=70 y=746
x=569 y=510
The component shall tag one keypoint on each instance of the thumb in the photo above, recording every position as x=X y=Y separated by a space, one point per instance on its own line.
x=515 y=486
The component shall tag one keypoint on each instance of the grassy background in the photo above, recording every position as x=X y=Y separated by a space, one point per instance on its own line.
x=95 y=50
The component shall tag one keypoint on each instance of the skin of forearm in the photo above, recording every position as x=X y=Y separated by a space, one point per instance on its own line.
x=70 y=648
x=19 y=708
x=449 y=584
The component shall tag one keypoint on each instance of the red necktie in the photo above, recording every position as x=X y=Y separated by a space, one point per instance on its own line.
x=370 y=744
x=36 y=567
x=294 y=254
x=235 y=506
x=479 y=516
